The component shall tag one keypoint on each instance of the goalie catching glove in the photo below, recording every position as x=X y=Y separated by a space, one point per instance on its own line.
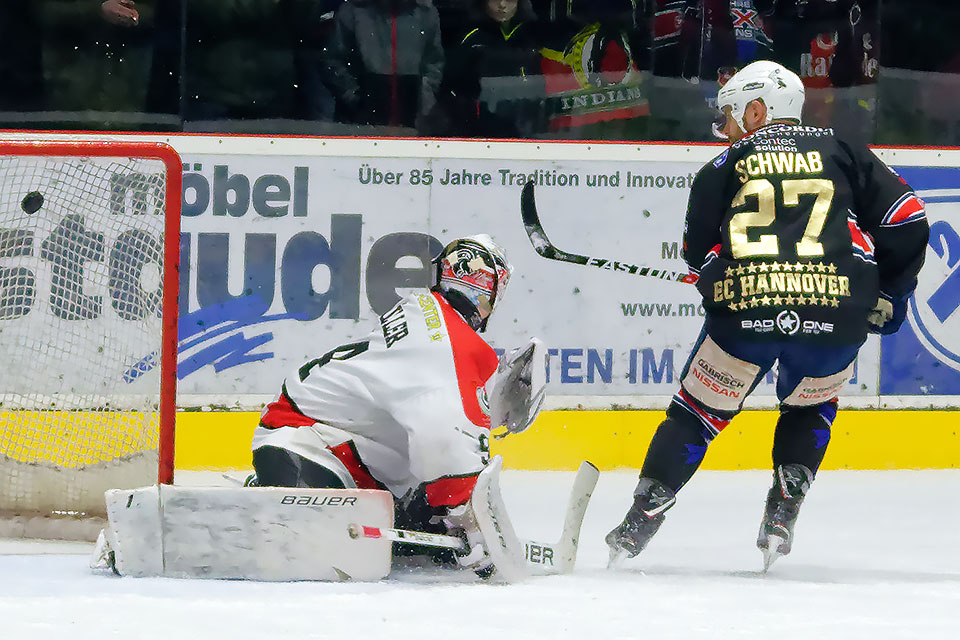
x=518 y=388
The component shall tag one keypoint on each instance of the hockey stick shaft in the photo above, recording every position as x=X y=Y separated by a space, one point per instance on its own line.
x=580 y=494
x=541 y=554
x=541 y=243
x=406 y=536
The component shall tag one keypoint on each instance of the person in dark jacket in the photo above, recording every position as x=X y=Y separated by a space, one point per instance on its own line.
x=488 y=84
x=385 y=61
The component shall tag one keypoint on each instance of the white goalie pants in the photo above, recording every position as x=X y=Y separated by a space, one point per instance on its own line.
x=308 y=443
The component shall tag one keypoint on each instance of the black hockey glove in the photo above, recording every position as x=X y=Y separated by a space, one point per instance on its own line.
x=413 y=512
x=888 y=314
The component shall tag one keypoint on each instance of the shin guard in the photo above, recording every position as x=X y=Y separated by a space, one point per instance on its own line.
x=678 y=447
x=803 y=434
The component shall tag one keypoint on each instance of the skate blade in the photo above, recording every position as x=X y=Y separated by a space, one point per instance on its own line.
x=617 y=556
x=772 y=551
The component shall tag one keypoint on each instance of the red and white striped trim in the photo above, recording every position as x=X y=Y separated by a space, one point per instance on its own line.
x=909 y=208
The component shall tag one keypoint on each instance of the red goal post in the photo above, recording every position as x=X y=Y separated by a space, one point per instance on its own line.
x=89 y=279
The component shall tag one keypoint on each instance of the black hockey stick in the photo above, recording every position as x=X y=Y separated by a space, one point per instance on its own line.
x=541 y=243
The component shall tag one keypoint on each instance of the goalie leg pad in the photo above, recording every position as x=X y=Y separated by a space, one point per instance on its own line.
x=501 y=541
x=264 y=533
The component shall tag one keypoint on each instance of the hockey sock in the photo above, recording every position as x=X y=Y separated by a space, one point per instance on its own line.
x=278 y=467
x=677 y=448
x=802 y=435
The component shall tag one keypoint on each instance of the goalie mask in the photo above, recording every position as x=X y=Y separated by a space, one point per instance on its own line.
x=780 y=90
x=472 y=274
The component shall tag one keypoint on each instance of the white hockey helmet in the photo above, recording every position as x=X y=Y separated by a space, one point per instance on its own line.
x=780 y=89
x=473 y=269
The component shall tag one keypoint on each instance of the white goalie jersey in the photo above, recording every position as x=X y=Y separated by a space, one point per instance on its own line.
x=404 y=407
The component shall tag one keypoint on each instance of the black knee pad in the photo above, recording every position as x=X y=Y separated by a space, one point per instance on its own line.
x=276 y=467
x=803 y=434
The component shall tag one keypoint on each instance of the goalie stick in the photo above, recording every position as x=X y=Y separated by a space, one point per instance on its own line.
x=541 y=243
x=407 y=536
x=550 y=558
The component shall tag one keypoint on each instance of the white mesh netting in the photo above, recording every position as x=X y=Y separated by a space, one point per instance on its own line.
x=81 y=277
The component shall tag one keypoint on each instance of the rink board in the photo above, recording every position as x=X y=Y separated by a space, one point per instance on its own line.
x=290 y=246
x=559 y=440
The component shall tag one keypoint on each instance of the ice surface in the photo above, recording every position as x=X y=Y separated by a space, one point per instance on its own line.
x=876 y=557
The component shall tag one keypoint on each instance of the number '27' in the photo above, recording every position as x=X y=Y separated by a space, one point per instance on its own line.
x=768 y=244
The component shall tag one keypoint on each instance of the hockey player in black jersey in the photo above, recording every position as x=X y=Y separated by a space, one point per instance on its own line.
x=803 y=244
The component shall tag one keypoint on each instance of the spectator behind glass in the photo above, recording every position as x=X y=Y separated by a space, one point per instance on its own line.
x=96 y=61
x=675 y=30
x=834 y=46
x=385 y=61
x=314 y=33
x=698 y=45
x=240 y=72
x=734 y=33
x=455 y=18
x=487 y=90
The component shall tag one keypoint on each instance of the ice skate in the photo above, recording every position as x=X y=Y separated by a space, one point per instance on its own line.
x=651 y=500
x=790 y=485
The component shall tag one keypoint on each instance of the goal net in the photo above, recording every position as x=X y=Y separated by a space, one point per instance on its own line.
x=89 y=245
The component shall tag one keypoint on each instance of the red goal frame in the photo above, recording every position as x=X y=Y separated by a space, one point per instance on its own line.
x=171 y=257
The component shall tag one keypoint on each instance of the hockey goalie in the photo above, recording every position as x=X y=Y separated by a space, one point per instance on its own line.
x=390 y=431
